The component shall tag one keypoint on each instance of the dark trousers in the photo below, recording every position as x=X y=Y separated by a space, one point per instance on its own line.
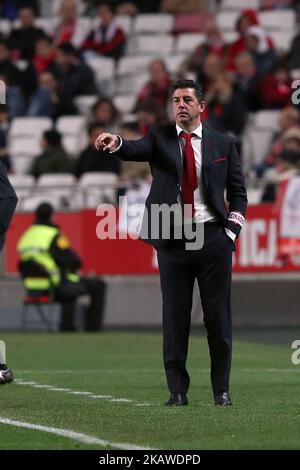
x=211 y=266
x=67 y=295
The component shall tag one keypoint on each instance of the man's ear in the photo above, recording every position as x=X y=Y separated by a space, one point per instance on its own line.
x=202 y=105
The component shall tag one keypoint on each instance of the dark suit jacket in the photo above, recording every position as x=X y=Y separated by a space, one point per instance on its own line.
x=221 y=171
x=8 y=202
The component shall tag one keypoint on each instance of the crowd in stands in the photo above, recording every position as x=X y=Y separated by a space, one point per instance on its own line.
x=45 y=70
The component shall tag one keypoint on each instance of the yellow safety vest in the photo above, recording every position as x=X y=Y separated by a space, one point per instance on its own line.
x=34 y=245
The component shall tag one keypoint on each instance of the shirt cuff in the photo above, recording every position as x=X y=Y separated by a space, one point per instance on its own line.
x=230 y=234
x=119 y=146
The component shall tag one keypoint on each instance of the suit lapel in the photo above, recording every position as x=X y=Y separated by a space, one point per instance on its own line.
x=208 y=152
x=175 y=151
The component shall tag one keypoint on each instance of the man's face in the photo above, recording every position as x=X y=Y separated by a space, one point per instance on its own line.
x=186 y=107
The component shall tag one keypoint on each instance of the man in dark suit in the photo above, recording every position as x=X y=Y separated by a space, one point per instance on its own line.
x=192 y=166
x=8 y=202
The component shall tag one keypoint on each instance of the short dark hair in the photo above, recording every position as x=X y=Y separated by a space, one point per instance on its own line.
x=68 y=49
x=183 y=83
x=52 y=137
x=44 y=212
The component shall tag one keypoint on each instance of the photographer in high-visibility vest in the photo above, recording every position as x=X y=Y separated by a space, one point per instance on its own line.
x=45 y=246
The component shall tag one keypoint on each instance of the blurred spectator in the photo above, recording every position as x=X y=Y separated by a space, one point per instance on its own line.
x=125 y=7
x=149 y=114
x=107 y=38
x=226 y=107
x=45 y=101
x=214 y=44
x=274 y=90
x=246 y=19
x=74 y=77
x=53 y=159
x=212 y=67
x=7 y=67
x=245 y=78
x=4 y=126
x=9 y=9
x=157 y=88
x=105 y=113
x=131 y=171
x=22 y=40
x=90 y=160
x=287 y=166
x=14 y=98
x=289 y=119
x=258 y=45
x=68 y=28
x=183 y=6
x=294 y=53
x=44 y=54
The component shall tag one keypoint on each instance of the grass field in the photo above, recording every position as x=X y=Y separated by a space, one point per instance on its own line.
x=119 y=386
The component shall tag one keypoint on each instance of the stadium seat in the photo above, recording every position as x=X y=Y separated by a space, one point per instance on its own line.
x=282 y=40
x=31 y=203
x=125 y=103
x=266 y=120
x=5 y=27
x=98 y=188
x=192 y=22
x=104 y=70
x=29 y=127
x=132 y=65
x=226 y=20
x=230 y=36
x=174 y=63
x=125 y=85
x=187 y=42
x=22 y=164
x=271 y=4
x=239 y=5
x=73 y=130
x=30 y=146
x=125 y=22
x=150 y=44
x=153 y=23
x=23 y=185
x=84 y=103
x=278 y=20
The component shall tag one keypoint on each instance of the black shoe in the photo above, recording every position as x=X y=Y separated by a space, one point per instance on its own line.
x=222 y=399
x=177 y=399
x=6 y=376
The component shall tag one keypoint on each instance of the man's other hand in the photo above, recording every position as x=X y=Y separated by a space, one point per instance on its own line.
x=106 y=141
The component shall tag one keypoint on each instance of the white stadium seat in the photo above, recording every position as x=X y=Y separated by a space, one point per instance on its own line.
x=5 y=27
x=29 y=126
x=282 y=39
x=226 y=20
x=240 y=5
x=133 y=65
x=153 y=23
x=187 y=42
x=278 y=20
x=125 y=22
x=174 y=62
x=125 y=103
x=84 y=103
x=152 y=44
x=98 y=187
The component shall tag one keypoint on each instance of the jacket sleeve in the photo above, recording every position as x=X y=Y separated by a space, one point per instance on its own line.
x=236 y=192
x=65 y=257
x=8 y=202
x=141 y=150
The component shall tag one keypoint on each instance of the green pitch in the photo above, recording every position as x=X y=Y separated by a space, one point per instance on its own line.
x=119 y=386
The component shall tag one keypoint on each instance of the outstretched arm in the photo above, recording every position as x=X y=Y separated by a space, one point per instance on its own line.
x=141 y=150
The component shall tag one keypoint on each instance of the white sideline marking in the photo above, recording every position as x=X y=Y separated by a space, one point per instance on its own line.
x=69 y=391
x=76 y=436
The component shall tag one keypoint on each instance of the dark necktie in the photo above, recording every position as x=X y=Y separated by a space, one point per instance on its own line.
x=189 y=176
